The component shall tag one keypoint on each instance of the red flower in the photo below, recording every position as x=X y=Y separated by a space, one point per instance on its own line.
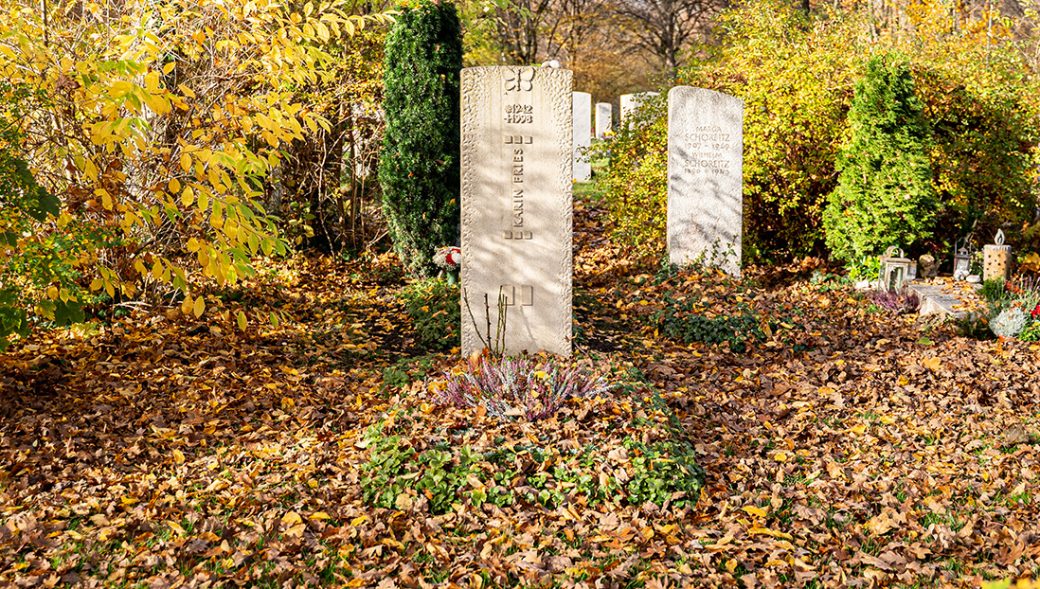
x=1036 y=312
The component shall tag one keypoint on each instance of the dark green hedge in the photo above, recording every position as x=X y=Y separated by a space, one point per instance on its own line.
x=419 y=164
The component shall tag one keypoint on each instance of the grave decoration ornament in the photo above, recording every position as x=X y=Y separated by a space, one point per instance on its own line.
x=927 y=266
x=520 y=79
x=996 y=259
x=895 y=269
x=448 y=258
x=962 y=261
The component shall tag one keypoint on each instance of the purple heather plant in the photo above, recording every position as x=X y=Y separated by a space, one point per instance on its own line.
x=520 y=387
x=901 y=302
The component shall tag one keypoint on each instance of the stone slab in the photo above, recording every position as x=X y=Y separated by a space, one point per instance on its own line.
x=630 y=103
x=582 y=128
x=937 y=301
x=517 y=155
x=604 y=119
x=705 y=178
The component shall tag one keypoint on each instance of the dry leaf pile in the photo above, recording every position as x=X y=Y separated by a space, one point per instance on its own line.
x=842 y=448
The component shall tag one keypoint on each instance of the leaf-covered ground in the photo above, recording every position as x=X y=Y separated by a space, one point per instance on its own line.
x=842 y=447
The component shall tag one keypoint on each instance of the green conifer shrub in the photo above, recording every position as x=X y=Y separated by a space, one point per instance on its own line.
x=419 y=163
x=885 y=194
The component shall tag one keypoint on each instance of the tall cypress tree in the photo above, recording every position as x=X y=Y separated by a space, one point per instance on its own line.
x=419 y=164
x=885 y=195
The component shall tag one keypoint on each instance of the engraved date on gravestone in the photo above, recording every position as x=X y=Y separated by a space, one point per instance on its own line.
x=710 y=143
x=519 y=114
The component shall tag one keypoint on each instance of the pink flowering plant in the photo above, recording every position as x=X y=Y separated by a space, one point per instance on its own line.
x=521 y=387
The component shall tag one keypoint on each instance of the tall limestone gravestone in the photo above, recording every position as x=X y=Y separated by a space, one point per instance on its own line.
x=582 y=136
x=604 y=119
x=630 y=103
x=517 y=152
x=705 y=177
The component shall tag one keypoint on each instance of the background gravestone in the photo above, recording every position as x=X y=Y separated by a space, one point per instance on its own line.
x=630 y=103
x=517 y=151
x=705 y=177
x=604 y=119
x=582 y=136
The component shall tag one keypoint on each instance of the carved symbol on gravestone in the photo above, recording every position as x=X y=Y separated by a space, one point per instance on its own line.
x=518 y=139
x=520 y=80
x=525 y=292
x=517 y=235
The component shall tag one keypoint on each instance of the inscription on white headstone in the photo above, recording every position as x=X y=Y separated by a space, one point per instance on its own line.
x=517 y=156
x=604 y=119
x=705 y=177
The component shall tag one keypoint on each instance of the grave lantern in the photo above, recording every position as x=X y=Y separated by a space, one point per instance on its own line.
x=895 y=269
x=961 y=261
x=997 y=259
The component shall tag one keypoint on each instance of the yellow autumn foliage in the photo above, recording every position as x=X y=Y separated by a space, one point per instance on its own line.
x=155 y=123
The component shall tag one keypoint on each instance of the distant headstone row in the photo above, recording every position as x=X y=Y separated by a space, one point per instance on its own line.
x=604 y=119
x=525 y=135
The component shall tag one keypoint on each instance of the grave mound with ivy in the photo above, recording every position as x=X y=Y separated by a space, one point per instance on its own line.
x=696 y=304
x=620 y=448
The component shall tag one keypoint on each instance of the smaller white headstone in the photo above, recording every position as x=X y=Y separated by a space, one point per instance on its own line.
x=582 y=135
x=630 y=103
x=604 y=119
x=705 y=177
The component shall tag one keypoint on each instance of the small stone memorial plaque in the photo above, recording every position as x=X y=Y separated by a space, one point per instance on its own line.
x=705 y=178
x=517 y=155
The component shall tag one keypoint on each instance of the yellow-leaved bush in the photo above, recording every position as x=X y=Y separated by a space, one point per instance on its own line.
x=155 y=124
x=796 y=74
